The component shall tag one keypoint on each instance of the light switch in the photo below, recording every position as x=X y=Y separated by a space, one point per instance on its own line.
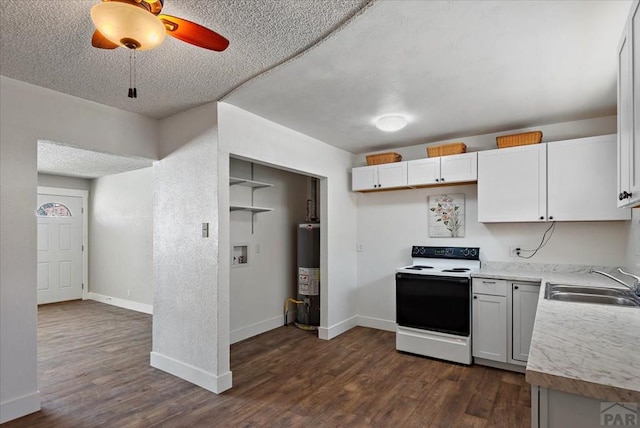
x=205 y=230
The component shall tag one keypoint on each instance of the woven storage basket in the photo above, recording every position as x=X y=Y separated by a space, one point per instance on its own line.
x=446 y=150
x=383 y=158
x=523 y=139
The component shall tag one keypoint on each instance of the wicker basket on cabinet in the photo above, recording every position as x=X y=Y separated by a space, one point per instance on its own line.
x=381 y=158
x=446 y=150
x=522 y=139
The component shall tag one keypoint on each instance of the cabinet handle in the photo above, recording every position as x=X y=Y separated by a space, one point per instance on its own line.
x=624 y=195
x=488 y=282
x=551 y=217
x=515 y=287
x=475 y=297
x=437 y=180
x=620 y=196
x=442 y=179
x=541 y=217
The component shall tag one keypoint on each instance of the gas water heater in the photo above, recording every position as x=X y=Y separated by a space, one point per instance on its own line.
x=308 y=315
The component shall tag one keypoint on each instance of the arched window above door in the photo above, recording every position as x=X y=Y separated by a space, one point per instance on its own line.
x=53 y=209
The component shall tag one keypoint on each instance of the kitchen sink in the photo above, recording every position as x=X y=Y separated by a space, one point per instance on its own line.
x=598 y=295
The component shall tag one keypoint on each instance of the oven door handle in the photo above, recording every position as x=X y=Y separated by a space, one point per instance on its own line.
x=452 y=279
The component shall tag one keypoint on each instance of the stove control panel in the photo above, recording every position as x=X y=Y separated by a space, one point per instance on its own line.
x=466 y=253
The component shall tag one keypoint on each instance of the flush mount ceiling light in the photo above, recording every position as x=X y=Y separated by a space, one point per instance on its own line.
x=391 y=122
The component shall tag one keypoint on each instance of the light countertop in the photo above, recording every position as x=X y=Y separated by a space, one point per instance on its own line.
x=585 y=349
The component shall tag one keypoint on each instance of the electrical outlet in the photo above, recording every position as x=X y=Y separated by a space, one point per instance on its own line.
x=514 y=250
x=360 y=247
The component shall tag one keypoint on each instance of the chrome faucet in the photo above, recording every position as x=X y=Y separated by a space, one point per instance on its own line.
x=635 y=287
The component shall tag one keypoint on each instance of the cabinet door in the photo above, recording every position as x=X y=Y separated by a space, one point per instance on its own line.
x=524 y=304
x=581 y=179
x=634 y=172
x=625 y=118
x=459 y=168
x=489 y=336
x=364 y=178
x=392 y=175
x=512 y=184
x=423 y=171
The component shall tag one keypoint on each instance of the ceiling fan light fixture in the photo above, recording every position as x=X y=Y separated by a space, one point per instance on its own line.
x=391 y=122
x=128 y=25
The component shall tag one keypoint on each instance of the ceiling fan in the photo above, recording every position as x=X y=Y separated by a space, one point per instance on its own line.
x=138 y=24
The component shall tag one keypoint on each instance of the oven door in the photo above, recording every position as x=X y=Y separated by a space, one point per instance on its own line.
x=437 y=303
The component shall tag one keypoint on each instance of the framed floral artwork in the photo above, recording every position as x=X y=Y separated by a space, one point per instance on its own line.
x=446 y=216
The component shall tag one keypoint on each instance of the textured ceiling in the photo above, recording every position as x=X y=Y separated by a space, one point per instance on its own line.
x=57 y=159
x=48 y=43
x=455 y=68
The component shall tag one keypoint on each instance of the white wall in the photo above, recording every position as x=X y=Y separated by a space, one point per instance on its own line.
x=553 y=132
x=187 y=320
x=49 y=180
x=29 y=113
x=633 y=250
x=121 y=236
x=258 y=290
x=389 y=223
x=253 y=137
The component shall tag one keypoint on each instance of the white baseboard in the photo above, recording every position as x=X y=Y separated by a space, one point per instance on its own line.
x=19 y=407
x=122 y=303
x=203 y=379
x=258 y=328
x=377 y=323
x=328 y=333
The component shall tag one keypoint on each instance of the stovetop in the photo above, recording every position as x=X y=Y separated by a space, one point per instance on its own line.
x=443 y=261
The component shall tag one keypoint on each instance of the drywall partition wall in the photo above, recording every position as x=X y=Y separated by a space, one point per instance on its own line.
x=259 y=288
x=52 y=116
x=59 y=181
x=553 y=132
x=121 y=239
x=185 y=304
x=404 y=214
x=252 y=137
x=29 y=113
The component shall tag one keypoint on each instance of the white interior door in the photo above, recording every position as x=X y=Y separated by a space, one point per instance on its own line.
x=59 y=248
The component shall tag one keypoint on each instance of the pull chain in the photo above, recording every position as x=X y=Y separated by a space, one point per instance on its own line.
x=133 y=91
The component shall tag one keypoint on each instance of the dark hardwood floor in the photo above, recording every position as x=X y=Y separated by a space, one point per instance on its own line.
x=94 y=371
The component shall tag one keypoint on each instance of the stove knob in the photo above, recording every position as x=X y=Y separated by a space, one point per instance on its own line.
x=448 y=252
x=474 y=252
x=465 y=252
x=422 y=250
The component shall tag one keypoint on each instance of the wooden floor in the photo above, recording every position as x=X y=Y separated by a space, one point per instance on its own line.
x=94 y=371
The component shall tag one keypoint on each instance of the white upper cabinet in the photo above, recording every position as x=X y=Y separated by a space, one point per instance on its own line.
x=443 y=170
x=512 y=184
x=628 y=189
x=571 y=180
x=582 y=180
x=377 y=177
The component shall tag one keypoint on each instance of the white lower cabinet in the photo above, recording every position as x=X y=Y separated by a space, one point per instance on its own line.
x=489 y=335
x=523 y=312
x=503 y=316
x=551 y=408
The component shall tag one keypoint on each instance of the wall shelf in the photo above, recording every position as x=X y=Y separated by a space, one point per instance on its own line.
x=248 y=183
x=249 y=208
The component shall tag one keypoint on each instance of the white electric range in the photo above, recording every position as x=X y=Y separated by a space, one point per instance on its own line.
x=433 y=302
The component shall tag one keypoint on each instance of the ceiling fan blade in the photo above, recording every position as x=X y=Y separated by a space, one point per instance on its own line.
x=193 y=33
x=100 y=41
